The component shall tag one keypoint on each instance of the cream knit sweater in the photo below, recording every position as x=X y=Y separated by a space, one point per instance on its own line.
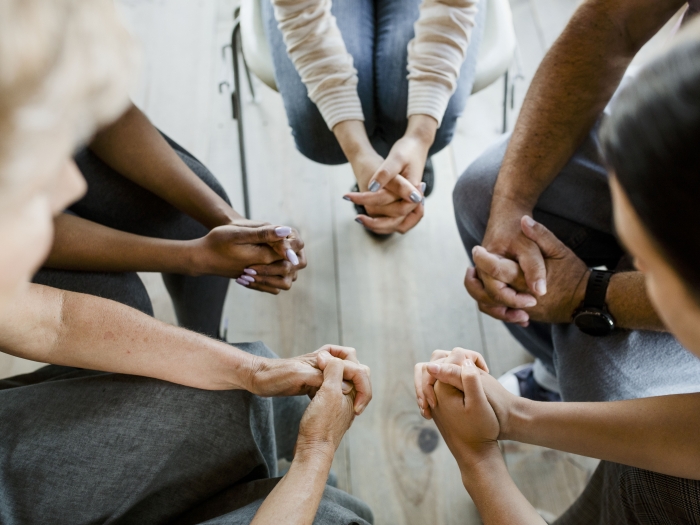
x=318 y=52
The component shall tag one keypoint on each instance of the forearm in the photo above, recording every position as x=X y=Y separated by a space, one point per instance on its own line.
x=494 y=493
x=84 y=245
x=297 y=496
x=657 y=433
x=133 y=147
x=89 y=332
x=570 y=90
x=629 y=304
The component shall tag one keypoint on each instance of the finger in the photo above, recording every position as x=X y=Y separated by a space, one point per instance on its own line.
x=387 y=171
x=412 y=219
x=381 y=225
x=366 y=198
x=332 y=374
x=459 y=355
x=402 y=187
x=279 y=268
x=439 y=354
x=281 y=283
x=261 y=235
x=476 y=290
x=418 y=385
x=447 y=373
x=502 y=294
x=507 y=315
x=342 y=352
x=549 y=244
x=355 y=372
x=282 y=247
x=471 y=384
x=428 y=386
x=263 y=288
x=399 y=208
x=500 y=268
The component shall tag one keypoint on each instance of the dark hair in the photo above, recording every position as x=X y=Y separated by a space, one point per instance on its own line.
x=651 y=141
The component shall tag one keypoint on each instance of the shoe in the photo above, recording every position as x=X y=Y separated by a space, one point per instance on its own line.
x=520 y=381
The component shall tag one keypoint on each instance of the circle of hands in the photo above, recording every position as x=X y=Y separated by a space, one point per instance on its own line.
x=522 y=273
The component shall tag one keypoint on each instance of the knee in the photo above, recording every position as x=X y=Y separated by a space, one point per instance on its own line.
x=317 y=143
x=472 y=198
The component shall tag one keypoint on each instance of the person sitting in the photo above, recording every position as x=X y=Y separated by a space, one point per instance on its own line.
x=651 y=467
x=151 y=206
x=341 y=66
x=134 y=420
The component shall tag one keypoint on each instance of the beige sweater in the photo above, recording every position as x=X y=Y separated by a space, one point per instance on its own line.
x=318 y=52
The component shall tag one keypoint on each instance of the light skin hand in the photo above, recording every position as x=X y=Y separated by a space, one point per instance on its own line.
x=567 y=276
x=423 y=381
x=304 y=375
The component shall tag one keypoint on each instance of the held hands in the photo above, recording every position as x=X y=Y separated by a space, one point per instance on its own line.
x=329 y=415
x=500 y=284
x=305 y=375
x=258 y=255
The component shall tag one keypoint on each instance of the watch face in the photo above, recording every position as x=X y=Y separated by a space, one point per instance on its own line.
x=594 y=322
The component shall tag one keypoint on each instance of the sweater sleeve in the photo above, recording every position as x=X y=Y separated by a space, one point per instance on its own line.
x=436 y=54
x=316 y=47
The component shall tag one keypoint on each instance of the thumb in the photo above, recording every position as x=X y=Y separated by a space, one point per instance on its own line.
x=388 y=169
x=447 y=373
x=471 y=382
x=261 y=235
x=545 y=239
x=333 y=374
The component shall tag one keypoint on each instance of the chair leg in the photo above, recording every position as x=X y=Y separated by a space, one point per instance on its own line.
x=236 y=100
x=505 y=101
x=250 y=80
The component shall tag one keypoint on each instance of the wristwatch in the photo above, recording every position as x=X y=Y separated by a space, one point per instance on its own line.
x=593 y=317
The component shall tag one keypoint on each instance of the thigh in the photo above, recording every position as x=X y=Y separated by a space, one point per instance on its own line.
x=624 y=365
x=125 y=288
x=465 y=83
x=113 y=200
x=355 y=20
x=79 y=446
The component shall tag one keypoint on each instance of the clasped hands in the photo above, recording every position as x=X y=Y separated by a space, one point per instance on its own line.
x=257 y=254
x=391 y=189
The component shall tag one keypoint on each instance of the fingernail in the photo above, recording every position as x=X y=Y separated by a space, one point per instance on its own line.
x=469 y=362
x=374 y=187
x=530 y=303
x=283 y=231
x=415 y=197
x=528 y=220
x=248 y=278
x=433 y=368
x=420 y=404
x=250 y=271
x=292 y=257
x=359 y=221
x=345 y=197
x=541 y=287
x=242 y=282
x=423 y=185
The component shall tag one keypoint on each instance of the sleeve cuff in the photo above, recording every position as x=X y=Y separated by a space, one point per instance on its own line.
x=339 y=105
x=428 y=98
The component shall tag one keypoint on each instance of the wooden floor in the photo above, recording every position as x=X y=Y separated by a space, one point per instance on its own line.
x=395 y=301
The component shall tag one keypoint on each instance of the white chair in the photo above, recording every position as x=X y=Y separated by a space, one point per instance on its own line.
x=495 y=57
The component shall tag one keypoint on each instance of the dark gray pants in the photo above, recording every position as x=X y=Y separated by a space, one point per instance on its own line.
x=115 y=201
x=625 y=365
x=85 y=447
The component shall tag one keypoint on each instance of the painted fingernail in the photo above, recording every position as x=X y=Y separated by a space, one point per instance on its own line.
x=423 y=185
x=529 y=221
x=374 y=187
x=541 y=287
x=248 y=278
x=242 y=282
x=416 y=197
x=292 y=257
x=283 y=231
x=250 y=271
x=345 y=197
x=359 y=221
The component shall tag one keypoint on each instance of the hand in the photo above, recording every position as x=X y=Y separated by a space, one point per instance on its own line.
x=567 y=277
x=304 y=375
x=462 y=412
x=265 y=258
x=329 y=415
x=423 y=381
x=504 y=237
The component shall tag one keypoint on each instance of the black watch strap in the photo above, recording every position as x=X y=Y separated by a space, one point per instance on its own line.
x=596 y=289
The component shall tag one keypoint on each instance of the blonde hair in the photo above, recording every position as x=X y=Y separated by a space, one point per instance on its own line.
x=65 y=68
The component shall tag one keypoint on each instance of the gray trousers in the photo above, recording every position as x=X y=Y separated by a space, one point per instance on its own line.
x=577 y=207
x=118 y=203
x=84 y=447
